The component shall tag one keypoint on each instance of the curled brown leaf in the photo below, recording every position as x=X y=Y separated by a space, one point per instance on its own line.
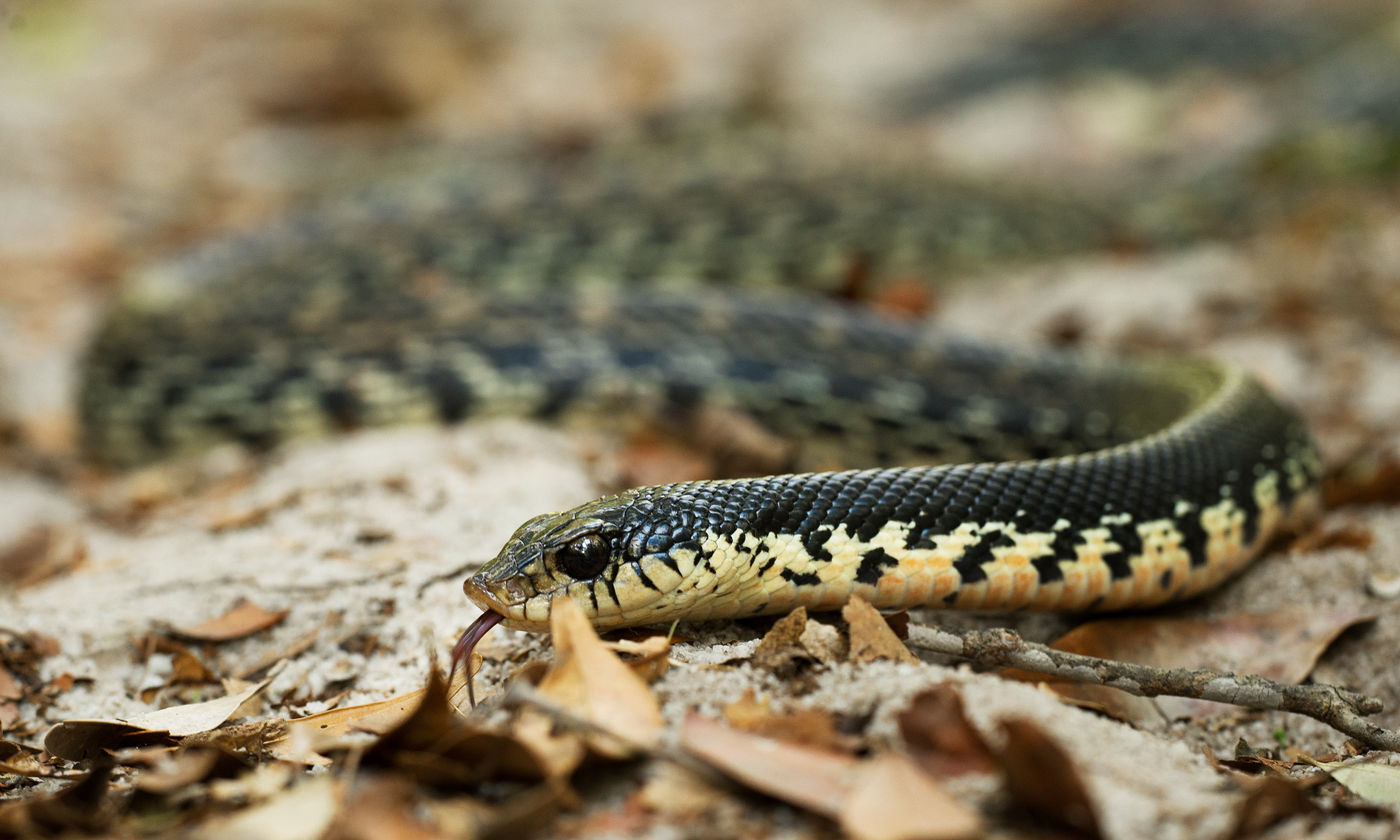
x=871 y=636
x=243 y=619
x=893 y=799
x=814 y=779
x=436 y=746
x=1042 y=778
x=591 y=682
x=812 y=727
x=939 y=736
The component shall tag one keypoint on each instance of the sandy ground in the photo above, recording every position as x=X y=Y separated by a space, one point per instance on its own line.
x=363 y=538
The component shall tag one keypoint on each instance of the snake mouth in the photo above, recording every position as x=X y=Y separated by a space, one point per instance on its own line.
x=504 y=600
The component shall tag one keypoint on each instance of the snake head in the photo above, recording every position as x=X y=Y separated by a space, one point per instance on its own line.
x=607 y=555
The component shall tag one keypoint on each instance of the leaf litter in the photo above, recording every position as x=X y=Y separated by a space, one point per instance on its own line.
x=79 y=740
x=428 y=766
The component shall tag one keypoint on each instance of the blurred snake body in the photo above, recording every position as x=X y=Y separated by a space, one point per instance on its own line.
x=1044 y=481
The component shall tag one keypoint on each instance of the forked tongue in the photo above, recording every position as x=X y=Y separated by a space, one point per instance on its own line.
x=462 y=651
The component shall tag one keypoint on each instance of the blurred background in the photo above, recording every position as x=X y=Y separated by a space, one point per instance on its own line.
x=130 y=130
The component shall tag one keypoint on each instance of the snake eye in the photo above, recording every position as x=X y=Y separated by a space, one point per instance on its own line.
x=583 y=558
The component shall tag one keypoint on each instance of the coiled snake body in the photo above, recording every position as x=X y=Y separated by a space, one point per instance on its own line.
x=1068 y=483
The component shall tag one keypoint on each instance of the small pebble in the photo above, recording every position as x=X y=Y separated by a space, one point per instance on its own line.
x=1384 y=585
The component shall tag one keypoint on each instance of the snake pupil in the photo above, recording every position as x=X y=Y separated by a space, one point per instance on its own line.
x=584 y=557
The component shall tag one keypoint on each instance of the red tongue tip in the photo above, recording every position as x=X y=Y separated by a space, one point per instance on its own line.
x=462 y=651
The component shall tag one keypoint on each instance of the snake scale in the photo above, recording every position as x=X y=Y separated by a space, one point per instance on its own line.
x=1049 y=481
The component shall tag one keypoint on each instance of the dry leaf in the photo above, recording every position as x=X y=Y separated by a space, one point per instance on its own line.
x=84 y=740
x=708 y=442
x=893 y=799
x=648 y=658
x=302 y=812
x=1347 y=535
x=523 y=814
x=678 y=792
x=1369 y=479
x=590 y=681
x=823 y=642
x=387 y=808
x=198 y=717
x=1281 y=646
x=436 y=746
x=80 y=808
x=40 y=553
x=264 y=781
x=1255 y=763
x=1268 y=800
x=886 y=797
x=462 y=816
x=818 y=780
x=244 y=619
x=10 y=689
x=175 y=771
x=1041 y=777
x=899 y=623
x=812 y=727
x=737 y=444
x=313 y=734
x=186 y=669
x=22 y=760
x=20 y=658
x=253 y=738
x=560 y=754
x=940 y=738
x=871 y=636
x=41 y=646
x=780 y=651
x=76 y=740
x=251 y=707
x=1371 y=780
x=62 y=683
x=1147 y=713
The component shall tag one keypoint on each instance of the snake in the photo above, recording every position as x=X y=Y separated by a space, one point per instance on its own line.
x=997 y=477
x=1077 y=484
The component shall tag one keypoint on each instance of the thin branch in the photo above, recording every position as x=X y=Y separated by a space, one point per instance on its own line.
x=1335 y=706
x=451 y=574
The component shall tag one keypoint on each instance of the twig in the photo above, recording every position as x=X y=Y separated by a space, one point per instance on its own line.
x=451 y=574
x=1333 y=705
